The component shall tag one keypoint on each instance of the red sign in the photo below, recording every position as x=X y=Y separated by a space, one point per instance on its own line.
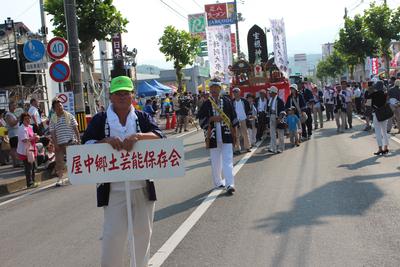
x=63 y=98
x=57 y=48
x=216 y=11
x=375 y=66
x=233 y=43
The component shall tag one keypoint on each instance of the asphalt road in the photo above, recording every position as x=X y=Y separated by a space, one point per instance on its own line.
x=329 y=202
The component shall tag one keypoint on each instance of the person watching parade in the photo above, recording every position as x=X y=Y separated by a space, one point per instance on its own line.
x=243 y=111
x=218 y=119
x=121 y=126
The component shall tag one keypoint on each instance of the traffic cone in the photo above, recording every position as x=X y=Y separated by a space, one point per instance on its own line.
x=167 y=125
x=173 y=121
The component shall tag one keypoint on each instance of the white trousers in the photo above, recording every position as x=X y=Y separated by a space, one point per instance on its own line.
x=252 y=133
x=222 y=163
x=340 y=117
x=272 y=132
x=115 y=229
x=281 y=139
x=381 y=131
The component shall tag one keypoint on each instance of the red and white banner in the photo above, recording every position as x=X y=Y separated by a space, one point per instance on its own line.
x=233 y=43
x=375 y=66
x=100 y=163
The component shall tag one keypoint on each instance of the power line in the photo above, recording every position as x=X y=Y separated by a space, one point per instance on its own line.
x=174 y=10
x=181 y=7
x=27 y=9
x=197 y=4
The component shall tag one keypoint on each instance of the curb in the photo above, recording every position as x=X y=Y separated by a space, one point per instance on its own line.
x=20 y=184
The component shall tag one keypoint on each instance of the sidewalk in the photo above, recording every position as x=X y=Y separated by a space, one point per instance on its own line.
x=13 y=179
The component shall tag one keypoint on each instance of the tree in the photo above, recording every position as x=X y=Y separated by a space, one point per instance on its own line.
x=180 y=47
x=97 y=20
x=356 y=43
x=384 y=24
x=331 y=67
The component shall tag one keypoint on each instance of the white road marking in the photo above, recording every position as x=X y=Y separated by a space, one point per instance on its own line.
x=182 y=135
x=173 y=241
x=397 y=140
x=27 y=194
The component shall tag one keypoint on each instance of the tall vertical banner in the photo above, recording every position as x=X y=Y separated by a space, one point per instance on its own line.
x=280 y=49
x=219 y=51
x=375 y=66
x=257 y=45
x=233 y=43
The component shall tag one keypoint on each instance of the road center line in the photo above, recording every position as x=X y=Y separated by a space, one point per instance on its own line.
x=173 y=241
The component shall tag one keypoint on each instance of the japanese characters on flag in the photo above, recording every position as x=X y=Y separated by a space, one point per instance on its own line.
x=100 y=163
x=219 y=51
x=280 y=49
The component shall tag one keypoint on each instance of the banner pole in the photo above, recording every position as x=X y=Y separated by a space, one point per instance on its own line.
x=131 y=238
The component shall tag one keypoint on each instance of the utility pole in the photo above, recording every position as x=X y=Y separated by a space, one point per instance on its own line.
x=43 y=29
x=237 y=29
x=72 y=34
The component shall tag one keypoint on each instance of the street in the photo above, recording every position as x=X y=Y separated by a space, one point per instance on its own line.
x=329 y=202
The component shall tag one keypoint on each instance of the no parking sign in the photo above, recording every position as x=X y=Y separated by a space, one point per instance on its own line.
x=67 y=100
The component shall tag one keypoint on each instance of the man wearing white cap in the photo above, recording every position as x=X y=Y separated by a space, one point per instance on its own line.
x=243 y=111
x=275 y=107
x=218 y=119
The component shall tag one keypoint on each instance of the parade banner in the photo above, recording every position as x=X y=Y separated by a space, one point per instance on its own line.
x=233 y=43
x=220 y=14
x=219 y=51
x=280 y=49
x=150 y=159
x=375 y=66
x=257 y=45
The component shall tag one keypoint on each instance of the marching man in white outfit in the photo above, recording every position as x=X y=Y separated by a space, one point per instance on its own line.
x=218 y=119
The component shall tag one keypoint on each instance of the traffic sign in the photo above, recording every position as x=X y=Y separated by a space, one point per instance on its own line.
x=67 y=100
x=57 y=48
x=32 y=66
x=34 y=50
x=59 y=71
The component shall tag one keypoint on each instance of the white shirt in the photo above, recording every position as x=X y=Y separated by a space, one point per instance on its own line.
x=357 y=93
x=348 y=95
x=34 y=112
x=117 y=130
x=329 y=96
x=239 y=108
x=272 y=105
x=261 y=105
x=218 y=129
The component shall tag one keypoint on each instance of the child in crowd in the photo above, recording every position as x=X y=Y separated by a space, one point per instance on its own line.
x=281 y=126
x=294 y=125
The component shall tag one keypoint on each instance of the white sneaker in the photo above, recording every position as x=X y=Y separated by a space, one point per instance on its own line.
x=59 y=182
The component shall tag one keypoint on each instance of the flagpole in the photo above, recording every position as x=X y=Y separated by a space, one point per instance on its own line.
x=131 y=238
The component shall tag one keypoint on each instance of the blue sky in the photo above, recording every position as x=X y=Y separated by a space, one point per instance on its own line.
x=309 y=23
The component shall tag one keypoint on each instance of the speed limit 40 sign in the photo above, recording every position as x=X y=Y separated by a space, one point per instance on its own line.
x=57 y=48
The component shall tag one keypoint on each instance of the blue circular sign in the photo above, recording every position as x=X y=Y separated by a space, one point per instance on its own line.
x=59 y=71
x=34 y=50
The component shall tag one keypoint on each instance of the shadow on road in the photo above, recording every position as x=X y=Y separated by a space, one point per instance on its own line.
x=350 y=197
x=368 y=162
x=180 y=207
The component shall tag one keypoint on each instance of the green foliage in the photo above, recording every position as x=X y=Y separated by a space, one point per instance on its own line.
x=356 y=42
x=331 y=67
x=97 y=19
x=180 y=47
x=383 y=23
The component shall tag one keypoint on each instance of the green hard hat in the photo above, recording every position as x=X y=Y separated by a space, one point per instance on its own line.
x=121 y=83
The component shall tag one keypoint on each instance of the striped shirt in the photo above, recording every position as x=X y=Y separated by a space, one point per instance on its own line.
x=64 y=131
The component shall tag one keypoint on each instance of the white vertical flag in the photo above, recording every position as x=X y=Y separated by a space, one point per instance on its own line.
x=219 y=51
x=280 y=49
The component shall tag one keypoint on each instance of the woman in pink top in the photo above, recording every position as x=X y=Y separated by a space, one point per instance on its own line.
x=27 y=140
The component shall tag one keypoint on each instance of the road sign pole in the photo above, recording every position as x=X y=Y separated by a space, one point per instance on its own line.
x=72 y=33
